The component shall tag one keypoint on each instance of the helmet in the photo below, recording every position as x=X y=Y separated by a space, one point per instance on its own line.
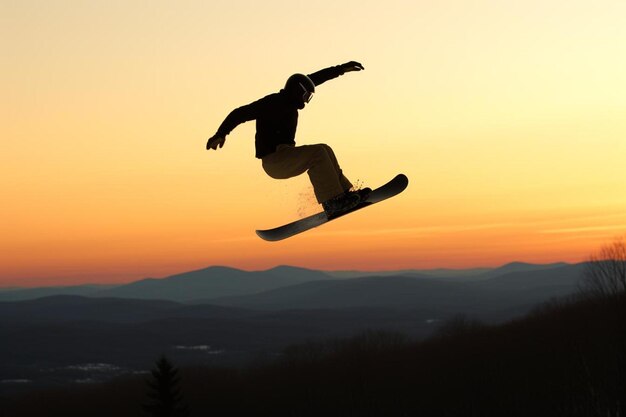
x=301 y=87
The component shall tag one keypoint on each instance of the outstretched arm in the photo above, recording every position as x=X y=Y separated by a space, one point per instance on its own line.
x=235 y=118
x=329 y=73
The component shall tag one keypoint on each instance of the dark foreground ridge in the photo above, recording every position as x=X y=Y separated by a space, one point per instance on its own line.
x=564 y=359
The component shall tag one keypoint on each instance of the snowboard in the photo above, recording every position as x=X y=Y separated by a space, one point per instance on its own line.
x=393 y=187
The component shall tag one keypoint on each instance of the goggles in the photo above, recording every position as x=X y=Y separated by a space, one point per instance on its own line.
x=307 y=95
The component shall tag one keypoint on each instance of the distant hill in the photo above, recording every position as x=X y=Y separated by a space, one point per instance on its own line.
x=213 y=282
x=210 y=282
x=396 y=291
x=451 y=274
x=520 y=277
x=20 y=294
x=435 y=273
x=219 y=282
x=69 y=308
x=523 y=268
x=508 y=291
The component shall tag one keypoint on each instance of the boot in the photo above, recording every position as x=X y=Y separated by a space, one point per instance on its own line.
x=341 y=203
x=364 y=193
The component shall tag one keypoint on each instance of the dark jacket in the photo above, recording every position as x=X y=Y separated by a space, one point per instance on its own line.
x=276 y=116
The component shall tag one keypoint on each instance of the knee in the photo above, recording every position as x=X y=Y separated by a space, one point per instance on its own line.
x=320 y=150
x=326 y=147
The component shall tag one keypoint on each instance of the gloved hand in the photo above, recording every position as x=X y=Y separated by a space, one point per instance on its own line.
x=215 y=141
x=352 y=66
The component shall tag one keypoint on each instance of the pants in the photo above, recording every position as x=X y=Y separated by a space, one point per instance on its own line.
x=318 y=161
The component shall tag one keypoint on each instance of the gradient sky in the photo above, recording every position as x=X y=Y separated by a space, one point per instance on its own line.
x=507 y=117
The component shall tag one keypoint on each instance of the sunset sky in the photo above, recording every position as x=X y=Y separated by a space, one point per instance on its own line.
x=508 y=117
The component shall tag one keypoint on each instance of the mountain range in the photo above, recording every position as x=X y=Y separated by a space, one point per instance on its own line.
x=223 y=316
x=219 y=283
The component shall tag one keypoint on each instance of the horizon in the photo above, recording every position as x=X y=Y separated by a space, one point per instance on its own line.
x=136 y=279
x=507 y=118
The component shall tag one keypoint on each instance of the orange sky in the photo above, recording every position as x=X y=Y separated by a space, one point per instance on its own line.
x=507 y=117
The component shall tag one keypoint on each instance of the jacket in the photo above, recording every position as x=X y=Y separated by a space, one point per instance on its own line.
x=276 y=116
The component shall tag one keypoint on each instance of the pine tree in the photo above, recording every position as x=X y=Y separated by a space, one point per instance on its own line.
x=166 y=399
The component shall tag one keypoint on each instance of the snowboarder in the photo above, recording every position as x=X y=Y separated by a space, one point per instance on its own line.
x=276 y=118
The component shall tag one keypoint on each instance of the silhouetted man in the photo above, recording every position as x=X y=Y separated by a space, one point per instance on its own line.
x=276 y=118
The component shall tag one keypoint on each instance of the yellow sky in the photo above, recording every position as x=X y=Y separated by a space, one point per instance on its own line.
x=507 y=117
